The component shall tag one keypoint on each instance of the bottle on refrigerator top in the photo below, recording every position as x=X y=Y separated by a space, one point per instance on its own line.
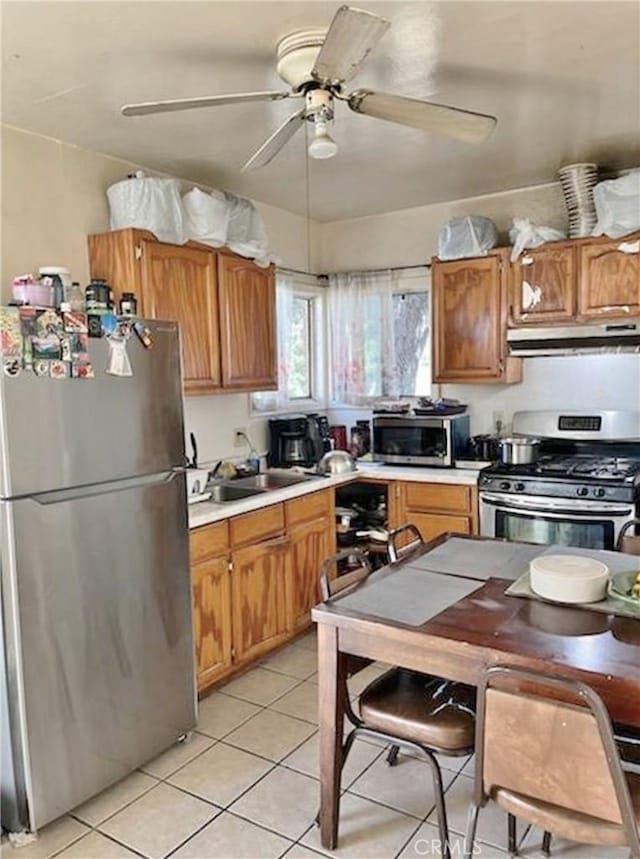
x=128 y=304
x=75 y=297
x=58 y=278
x=98 y=296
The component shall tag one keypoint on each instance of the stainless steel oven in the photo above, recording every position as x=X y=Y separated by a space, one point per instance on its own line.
x=565 y=521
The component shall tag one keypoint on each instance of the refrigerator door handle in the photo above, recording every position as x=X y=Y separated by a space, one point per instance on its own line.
x=72 y=494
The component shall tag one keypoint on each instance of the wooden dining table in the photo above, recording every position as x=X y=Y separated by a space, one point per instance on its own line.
x=456 y=624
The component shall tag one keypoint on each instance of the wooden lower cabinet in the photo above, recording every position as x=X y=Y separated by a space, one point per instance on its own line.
x=311 y=529
x=211 y=583
x=436 y=508
x=258 y=597
x=431 y=525
x=211 y=595
x=311 y=543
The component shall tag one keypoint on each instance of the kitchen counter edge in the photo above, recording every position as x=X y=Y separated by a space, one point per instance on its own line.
x=206 y=512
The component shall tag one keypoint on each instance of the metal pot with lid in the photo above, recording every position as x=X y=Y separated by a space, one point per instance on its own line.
x=336 y=462
x=519 y=450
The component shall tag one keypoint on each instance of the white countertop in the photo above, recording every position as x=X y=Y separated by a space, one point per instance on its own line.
x=205 y=512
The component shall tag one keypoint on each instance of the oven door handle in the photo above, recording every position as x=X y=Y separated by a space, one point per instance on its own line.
x=578 y=508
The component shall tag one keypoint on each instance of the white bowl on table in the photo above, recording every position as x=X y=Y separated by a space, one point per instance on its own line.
x=569 y=578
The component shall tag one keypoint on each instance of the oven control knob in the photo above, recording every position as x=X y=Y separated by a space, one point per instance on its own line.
x=582 y=490
x=599 y=493
x=505 y=485
x=519 y=487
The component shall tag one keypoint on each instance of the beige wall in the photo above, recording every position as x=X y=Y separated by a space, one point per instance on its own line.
x=410 y=236
x=53 y=196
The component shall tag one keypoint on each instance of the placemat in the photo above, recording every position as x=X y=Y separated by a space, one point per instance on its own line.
x=617 y=562
x=478 y=559
x=408 y=595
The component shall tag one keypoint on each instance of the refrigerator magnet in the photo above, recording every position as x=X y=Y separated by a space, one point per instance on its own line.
x=144 y=335
x=28 y=316
x=65 y=347
x=58 y=370
x=94 y=325
x=11 y=367
x=109 y=323
x=80 y=347
x=41 y=368
x=48 y=322
x=10 y=332
x=82 y=370
x=46 y=347
x=74 y=322
x=118 y=363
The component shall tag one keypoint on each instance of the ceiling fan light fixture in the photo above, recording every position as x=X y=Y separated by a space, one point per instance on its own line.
x=323 y=145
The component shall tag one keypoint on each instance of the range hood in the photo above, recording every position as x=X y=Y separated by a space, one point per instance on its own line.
x=623 y=336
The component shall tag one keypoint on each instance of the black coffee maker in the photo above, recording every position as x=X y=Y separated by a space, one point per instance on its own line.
x=297 y=440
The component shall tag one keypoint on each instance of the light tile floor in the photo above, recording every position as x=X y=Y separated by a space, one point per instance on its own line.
x=246 y=787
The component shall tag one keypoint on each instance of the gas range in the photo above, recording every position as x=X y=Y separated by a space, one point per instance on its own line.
x=583 y=490
x=562 y=475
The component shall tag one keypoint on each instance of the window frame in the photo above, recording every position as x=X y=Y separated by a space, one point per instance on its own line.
x=308 y=287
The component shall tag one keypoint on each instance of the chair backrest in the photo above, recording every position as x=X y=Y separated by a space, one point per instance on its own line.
x=550 y=739
x=403 y=541
x=629 y=543
x=331 y=585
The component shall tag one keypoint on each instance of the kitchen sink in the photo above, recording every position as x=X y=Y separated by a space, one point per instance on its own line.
x=221 y=493
x=268 y=480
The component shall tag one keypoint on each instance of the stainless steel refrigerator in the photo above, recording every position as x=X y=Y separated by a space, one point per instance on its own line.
x=97 y=674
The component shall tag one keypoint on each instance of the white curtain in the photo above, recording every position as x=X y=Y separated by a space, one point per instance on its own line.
x=270 y=401
x=363 y=365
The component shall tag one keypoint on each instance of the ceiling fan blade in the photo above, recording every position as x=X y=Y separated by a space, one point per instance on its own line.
x=427 y=116
x=276 y=142
x=205 y=101
x=351 y=37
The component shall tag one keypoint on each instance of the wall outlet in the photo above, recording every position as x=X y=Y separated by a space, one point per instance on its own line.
x=238 y=438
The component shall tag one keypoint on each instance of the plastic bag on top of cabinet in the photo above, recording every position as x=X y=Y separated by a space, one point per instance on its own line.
x=148 y=204
x=523 y=234
x=471 y=236
x=617 y=206
x=246 y=235
x=207 y=216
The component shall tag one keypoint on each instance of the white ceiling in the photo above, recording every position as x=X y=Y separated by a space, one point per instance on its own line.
x=562 y=78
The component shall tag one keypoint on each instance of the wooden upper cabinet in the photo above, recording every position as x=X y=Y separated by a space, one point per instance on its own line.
x=180 y=283
x=543 y=285
x=609 y=278
x=470 y=320
x=247 y=324
x=225 y=304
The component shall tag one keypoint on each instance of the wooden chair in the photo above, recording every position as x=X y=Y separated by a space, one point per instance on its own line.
x=545 y=752
x=629 y=543
x=405 y=709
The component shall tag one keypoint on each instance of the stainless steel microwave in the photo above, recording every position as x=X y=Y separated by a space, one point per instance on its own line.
x=417 y=440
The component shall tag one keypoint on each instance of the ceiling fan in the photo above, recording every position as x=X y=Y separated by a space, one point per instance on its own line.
x=316 y=64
